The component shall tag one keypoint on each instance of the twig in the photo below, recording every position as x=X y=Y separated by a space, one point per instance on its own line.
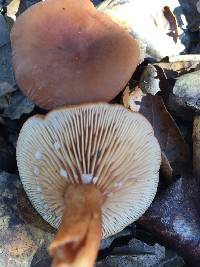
x=192 y=57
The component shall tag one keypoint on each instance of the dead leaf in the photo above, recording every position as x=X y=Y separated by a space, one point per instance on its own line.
x=18 y=105
x=190 y=11
x=7 y=156
x=172 y=22
x=173 y=70
x=6 y=71
x=4 y=33
x=184 y=100
x=153 y=23
x=198 y=6
x=6 y=88
x=166 y=168
x=12 y=9
x=126 y=97
x=5 y=93
x=174 y=219
x=196 y=146
x=28 y=214
x=149 y=80
x=185 y=58
x=187 y=89
x=166 y=131
x=19 y=241
x=136 y=98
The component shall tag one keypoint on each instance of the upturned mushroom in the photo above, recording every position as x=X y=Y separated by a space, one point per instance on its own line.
x=89 y=170
x=66 y=52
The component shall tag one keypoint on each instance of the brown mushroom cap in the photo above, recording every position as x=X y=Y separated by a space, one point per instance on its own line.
x=105 y=145
x=66 y=52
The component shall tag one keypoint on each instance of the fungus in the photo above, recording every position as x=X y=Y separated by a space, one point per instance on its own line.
x=103 y=177
x=66 y=52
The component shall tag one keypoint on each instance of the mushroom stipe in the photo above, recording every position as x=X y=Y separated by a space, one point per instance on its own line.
x=89 y=170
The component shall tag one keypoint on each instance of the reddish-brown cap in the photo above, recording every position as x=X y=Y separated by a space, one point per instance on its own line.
x=66 y=52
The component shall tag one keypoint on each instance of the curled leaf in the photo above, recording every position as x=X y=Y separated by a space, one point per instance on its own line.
x=12 y=9
x=149 y=80
x=170 y=139
x=174 y=219
x=18 y=105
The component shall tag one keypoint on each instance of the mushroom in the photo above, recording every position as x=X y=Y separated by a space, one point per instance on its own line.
x=89 y=170
x=66 y=52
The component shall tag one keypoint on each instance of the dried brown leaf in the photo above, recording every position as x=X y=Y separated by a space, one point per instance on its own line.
x=169 y=137
x=172 y=22
x=196 y=146
x=173 y=70
x=174 y=219
x=12 y=9
x=149 y=80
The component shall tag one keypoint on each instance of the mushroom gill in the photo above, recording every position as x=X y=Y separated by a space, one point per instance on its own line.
x=89 y=170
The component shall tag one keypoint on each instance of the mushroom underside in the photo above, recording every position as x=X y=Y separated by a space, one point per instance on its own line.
x=100 y=144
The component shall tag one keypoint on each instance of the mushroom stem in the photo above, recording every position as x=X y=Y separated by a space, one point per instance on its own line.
x=77 y=241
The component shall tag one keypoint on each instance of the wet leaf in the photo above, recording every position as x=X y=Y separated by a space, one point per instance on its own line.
x=6 y=88
x=6 y=71
x=198 y=6
x=173 y=70
x=137 y=253
x=170 y=139
x=187 y=88
x=7 y=156
x=19 y=105
x=196 y=146
x=28 y=214
x=174 y=219
x=4 y=33
x=126 y=97
x=190 y=11
x=184 y=100
x=173 y=25
x=149 y=80
x=5 y=93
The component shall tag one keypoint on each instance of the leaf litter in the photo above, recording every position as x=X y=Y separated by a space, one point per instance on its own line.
x=166 y=92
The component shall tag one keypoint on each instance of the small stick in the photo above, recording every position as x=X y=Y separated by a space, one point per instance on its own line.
x=192 y=57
